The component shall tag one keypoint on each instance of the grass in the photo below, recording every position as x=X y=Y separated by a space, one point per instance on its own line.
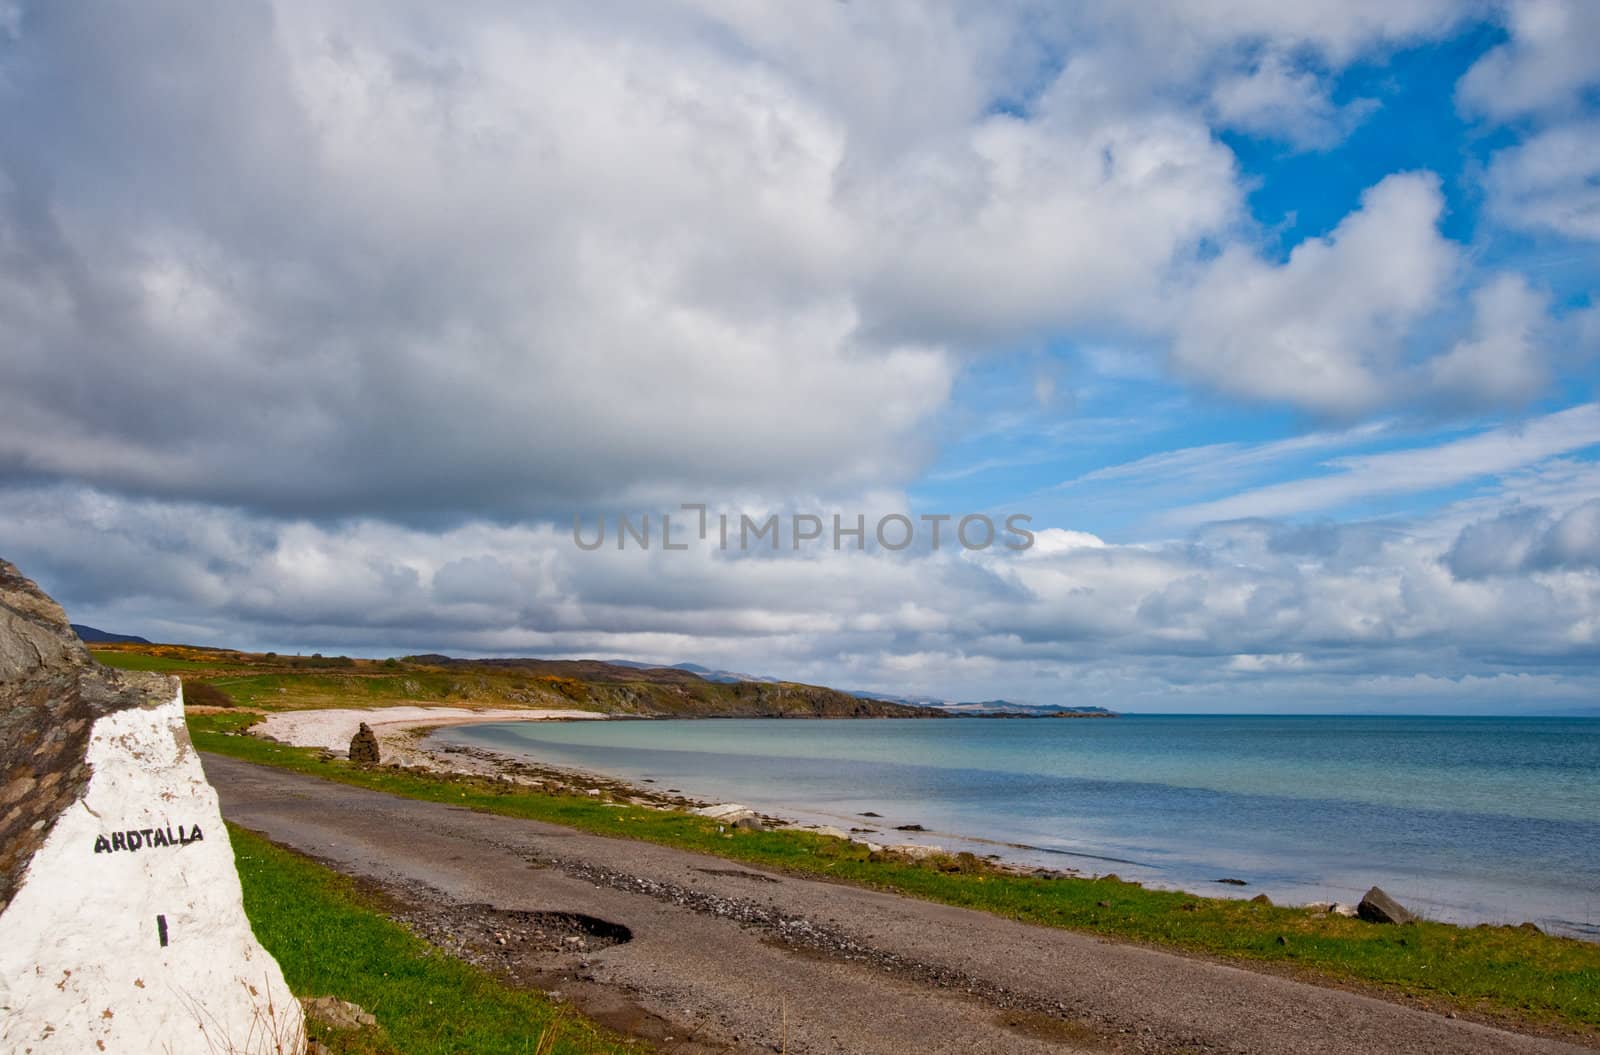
x=330 y=942
x=1504 y=974
x=286 y=682
x=286 y=690
x=144 y=661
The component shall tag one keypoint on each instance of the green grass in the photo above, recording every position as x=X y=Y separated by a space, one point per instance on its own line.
x=142 y=661
x=1501 y=973
x=291 y=689
x=331 y=943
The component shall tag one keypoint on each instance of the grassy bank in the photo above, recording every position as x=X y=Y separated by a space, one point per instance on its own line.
x=1499 y=973
x=267 y=679
x=330 y=943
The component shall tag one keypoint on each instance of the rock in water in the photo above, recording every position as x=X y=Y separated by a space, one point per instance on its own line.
x=364 y=746
x=1378 y=907
x=121 y=921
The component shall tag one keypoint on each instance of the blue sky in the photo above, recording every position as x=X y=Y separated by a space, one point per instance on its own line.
x=1103 y=409
x=322 y=320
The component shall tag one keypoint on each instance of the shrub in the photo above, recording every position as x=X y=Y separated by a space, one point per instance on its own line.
x=200 y=694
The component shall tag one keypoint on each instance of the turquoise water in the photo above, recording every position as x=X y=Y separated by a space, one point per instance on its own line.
x=1467 y=819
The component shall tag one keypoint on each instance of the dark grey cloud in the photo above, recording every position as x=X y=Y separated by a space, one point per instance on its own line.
x=1226 y=618
x=1528 y=539
x=314 y=266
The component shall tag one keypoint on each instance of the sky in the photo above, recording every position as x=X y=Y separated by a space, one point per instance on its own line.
x=321 y=321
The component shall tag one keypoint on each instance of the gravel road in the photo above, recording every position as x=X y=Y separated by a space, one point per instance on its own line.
x=701 y=955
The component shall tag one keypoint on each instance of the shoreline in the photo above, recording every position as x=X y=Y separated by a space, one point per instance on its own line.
x=403 y=734
x=1466 y=901
x=406 y=738
x=913 y=841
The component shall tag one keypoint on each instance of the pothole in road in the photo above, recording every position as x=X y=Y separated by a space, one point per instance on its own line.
x=738 y=874
x=480 y=932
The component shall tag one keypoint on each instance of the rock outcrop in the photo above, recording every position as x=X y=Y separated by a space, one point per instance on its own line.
x=364 y=746
x=121 y=921
x=1378 y=907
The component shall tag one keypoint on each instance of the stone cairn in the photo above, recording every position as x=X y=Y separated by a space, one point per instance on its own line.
x=364 y=746
x=122 y=924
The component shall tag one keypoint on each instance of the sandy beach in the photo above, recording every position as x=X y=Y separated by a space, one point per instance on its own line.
x=398 y=729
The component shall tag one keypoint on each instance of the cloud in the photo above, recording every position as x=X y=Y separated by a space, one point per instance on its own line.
x=413 y=267
x=357 y=259
x=1502 y=362
x=1550 y=182
x=393 y=266
x=1413 y=471
x=1501 y=544
x=1544 y=66
x=1303 y=610
x=1228 y=461
x=1276 y=100
x=1525 y=539
x=1325 y=329
x=1072 y=215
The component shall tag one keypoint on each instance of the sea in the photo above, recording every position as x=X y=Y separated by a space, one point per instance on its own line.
x=1465 y=820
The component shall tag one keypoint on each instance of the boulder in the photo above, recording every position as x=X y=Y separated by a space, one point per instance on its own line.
x=727 y=812
x=339 y=1014
x=122 y=926
x=915 y=851
x=1378 y=907
x=364 y=746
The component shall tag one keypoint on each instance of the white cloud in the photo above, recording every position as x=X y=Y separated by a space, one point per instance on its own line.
x=1277 y=100
x=1325 y=329
x=1543 y=68
x=1502 y=362
x=1550 y=182
x=1224 y=462
x=1493 y=451
x=1073 y=215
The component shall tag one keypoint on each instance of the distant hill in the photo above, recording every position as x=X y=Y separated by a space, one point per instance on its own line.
x=991 y=707
x=725 y=676
x=1004 y=708
x=634 y=688
x=90 y=636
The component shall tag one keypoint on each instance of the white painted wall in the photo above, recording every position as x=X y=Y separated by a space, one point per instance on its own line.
x=82 y=969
